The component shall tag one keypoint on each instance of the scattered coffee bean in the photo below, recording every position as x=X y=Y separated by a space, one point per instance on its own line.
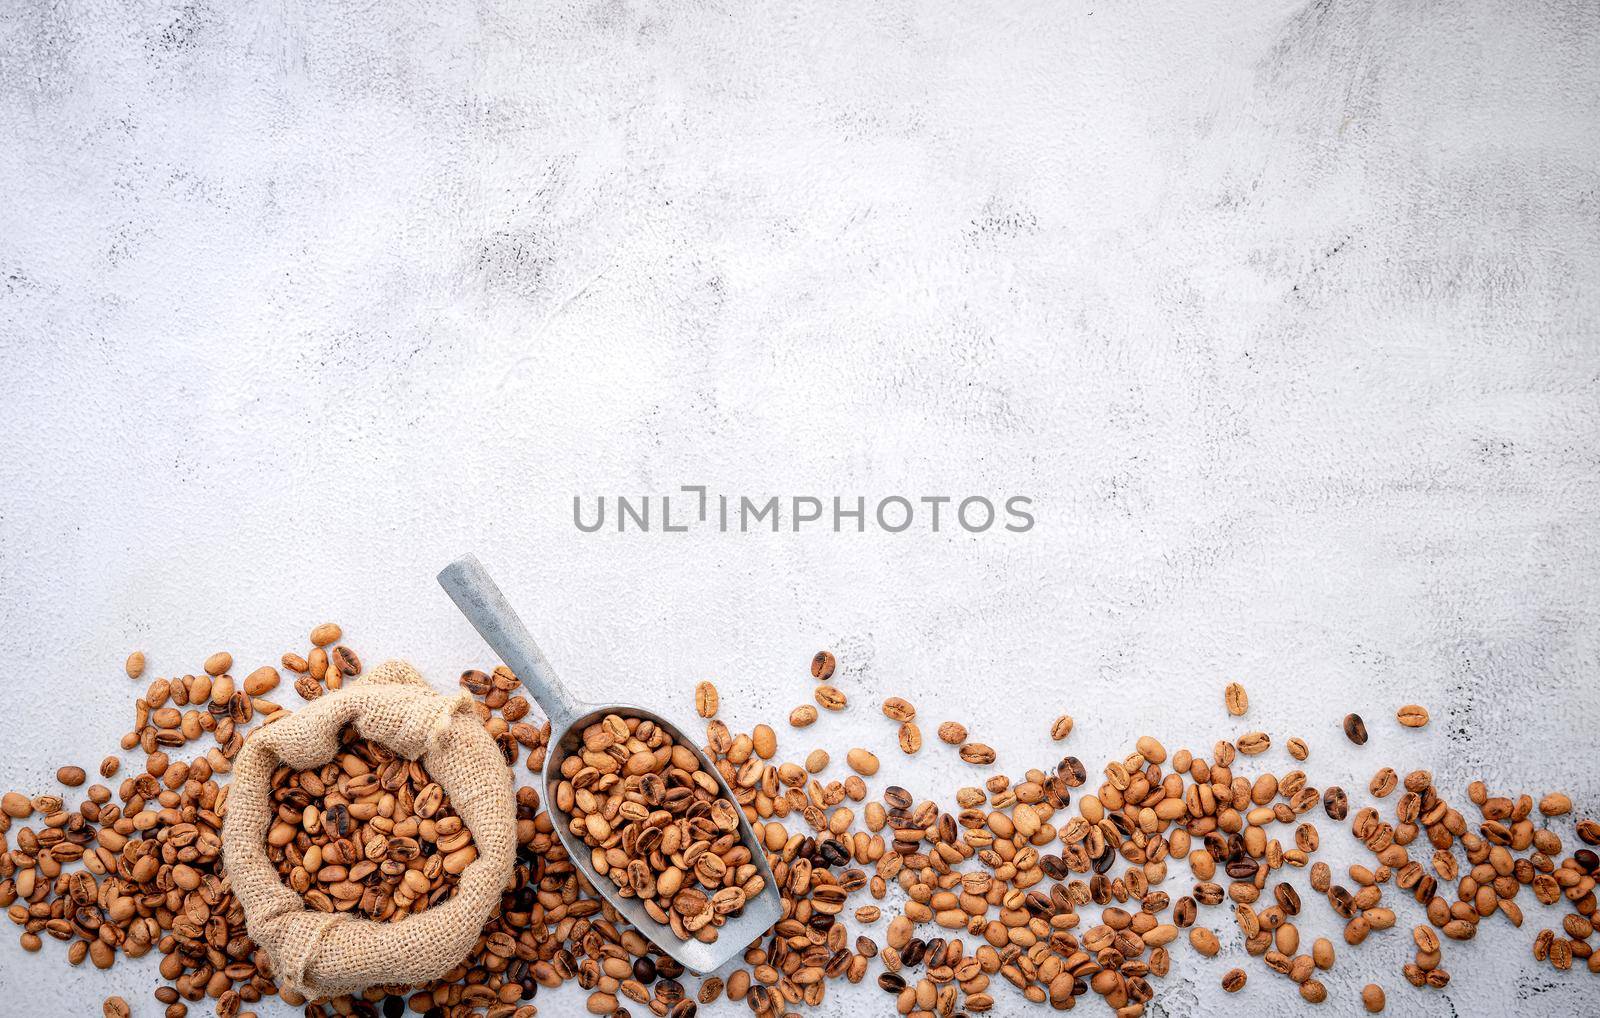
x=1233 y=980
x=705 y=700
x=803 y=716
x=1412 y=716
x=1236 y=699
x=910 y=737
x=134 y=666
x=952 y=733
x=822 y=665
x=1355 y=729
x=830 y=698
x=1061 y=727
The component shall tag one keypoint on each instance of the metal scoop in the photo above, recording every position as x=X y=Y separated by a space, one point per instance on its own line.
x=480 y=600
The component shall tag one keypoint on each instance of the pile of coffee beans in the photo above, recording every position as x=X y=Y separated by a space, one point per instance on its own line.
x=1043 y=888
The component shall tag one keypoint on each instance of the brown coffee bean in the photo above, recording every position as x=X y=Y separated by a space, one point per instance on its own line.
x=261 y=681
x=952 y=733
x=308 y=687
x=1355 y=729
x=115 y=1007
x=72 y=777
x=830 y=698
x=1233 y=980
x=325 y=634
x=897 y=709
x=862 y=762
x=822 y=665
x=345 y=660
x=109 y=766
x=1297 y=748
x=1254 y=743
x=803 y=716
x=706 y=701
x=1236 y=699
x=1412 y=716
x=134 y=666
x=1061 y=727
x=1556 y=804
x=977 y=753
x=910 y=737
x=1372 y=998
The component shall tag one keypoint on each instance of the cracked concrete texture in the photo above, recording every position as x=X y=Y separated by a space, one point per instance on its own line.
x=1283 y=313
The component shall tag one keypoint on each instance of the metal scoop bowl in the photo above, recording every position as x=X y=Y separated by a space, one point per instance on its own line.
x=475 y=593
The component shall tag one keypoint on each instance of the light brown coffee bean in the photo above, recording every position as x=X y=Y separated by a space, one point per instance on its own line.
x=803 y=716
x=218 y=663
x=115 y=1007
x=72 y=777
x=706 y=701
x=134 y=666
x=953 y=733
x=830 y=698
x=910 y=737
x=1061 y=727
x=1233 y=980
x=109 y=766
x=822 y=665
x=325 y=634
x=1412 y=716
x=817 y=761
x=977 y=753
x=1556 y=804
x=1372 y=998
x=295 y=663
x=1297 y=748
x=897 y=709
x=1254 y=743
x=764 y=741
x=1236 y=699
x=862 y=762
x=261 y=681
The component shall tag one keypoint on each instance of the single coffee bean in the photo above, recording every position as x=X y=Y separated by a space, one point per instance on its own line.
x=1061 y=727
x=72 y=777
x=803 y=716
x=862 y=762
x=218 y=663
x=952 y=733
x=910 y=737
x=1412 y=716
x=1297 y=748
x=1233 y=980
x=830 y=698
x=706 y=701
x=134 y=666
x=115 y=1007
x=898 y=709
x=1236 y=699
x=1254 y=743
x=822 y=665
x=1372 y=998
x=1355 y=729
x=977 y=753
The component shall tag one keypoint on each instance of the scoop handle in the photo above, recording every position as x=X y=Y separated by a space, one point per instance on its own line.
x=477 y=595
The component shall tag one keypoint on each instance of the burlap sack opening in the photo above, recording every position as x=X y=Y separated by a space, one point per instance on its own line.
x=318 y=954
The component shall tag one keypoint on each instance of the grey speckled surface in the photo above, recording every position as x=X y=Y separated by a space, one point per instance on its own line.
x=1284 y=313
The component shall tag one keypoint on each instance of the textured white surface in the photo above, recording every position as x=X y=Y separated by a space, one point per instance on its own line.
x=1284 y=313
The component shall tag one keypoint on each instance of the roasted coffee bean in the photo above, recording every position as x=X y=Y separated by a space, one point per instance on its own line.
x=1355 y=729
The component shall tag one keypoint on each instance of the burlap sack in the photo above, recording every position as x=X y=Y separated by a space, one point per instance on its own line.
x=319 y=954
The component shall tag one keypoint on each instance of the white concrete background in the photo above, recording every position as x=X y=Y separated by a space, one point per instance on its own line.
x=1284 y=313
